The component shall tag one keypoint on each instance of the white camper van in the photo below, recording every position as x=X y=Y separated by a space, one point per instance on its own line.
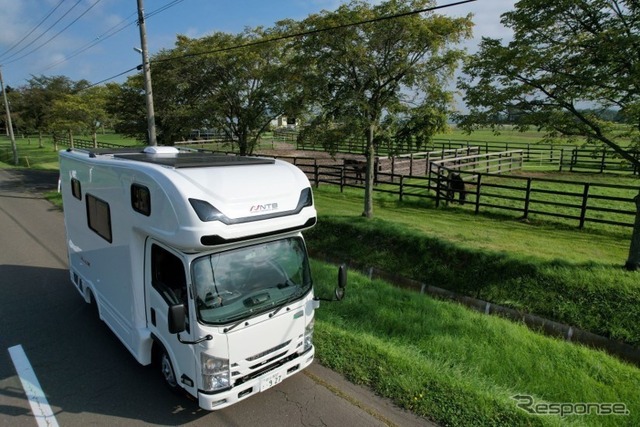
x=196 y=262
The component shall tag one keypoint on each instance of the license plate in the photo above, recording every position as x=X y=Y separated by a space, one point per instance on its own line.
x=271 y=380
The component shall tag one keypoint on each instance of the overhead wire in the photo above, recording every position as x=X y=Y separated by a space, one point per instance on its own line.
x=293 y=35
x=112 y=32
x=58 y=33
x=44 y=32
x=314 y=31
x=163 y=8
x=33 y=29
x=99 y=39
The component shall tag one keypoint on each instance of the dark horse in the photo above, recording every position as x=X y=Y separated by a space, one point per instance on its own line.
x=359 y=167
x=455 y=184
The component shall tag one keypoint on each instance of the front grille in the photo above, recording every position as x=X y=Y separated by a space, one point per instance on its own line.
x=271 y=350
x=267 y=368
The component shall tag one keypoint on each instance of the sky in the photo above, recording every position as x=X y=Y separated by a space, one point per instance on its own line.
x=95 y=39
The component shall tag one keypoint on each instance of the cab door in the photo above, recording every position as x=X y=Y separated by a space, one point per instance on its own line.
x=165 y=286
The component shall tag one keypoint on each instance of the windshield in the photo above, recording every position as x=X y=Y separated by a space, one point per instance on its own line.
x=237 y=284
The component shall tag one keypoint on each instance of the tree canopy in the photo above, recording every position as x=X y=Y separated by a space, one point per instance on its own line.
x=379 y=80
x=568 y=60
x=231 y=83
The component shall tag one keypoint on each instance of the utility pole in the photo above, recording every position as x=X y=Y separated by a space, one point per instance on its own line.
x=151 y=118
x=9 y=125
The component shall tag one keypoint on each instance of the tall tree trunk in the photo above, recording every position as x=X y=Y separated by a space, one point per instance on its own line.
x=368 y=185
x=40 y=144
x=633 y=261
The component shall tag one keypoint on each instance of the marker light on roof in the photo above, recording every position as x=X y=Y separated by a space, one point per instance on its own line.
x=205 y=211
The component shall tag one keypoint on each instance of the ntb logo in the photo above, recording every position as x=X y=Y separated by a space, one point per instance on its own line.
x=268 y=207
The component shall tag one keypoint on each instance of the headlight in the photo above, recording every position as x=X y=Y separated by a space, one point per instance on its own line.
x=215 y=372
x=308 y=335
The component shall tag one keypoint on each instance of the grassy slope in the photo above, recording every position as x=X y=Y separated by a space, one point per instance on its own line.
x=566 y=275
x=459 y=367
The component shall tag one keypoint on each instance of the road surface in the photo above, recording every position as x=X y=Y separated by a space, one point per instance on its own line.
x=60 y=365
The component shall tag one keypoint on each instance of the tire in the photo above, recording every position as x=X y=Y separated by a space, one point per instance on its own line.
x=167 y=372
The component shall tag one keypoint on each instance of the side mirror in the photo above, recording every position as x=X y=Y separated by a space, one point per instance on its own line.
x=342 y=282
x=177 y=319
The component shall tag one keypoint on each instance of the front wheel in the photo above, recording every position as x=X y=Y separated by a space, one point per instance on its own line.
x=166 y=370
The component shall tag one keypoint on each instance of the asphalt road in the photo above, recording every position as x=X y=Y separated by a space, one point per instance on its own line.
x=87 y=377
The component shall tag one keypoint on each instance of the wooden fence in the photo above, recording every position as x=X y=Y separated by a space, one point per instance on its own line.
x=575 y=203
x=554 y=156
x=64 y=140
x=486 y=186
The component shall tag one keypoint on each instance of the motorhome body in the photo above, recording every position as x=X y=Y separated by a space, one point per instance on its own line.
x=196 y=261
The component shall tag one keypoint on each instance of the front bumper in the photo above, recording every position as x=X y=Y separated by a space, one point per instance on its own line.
x=213 y=402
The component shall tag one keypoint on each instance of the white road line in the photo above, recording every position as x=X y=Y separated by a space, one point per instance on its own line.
x=39 y=405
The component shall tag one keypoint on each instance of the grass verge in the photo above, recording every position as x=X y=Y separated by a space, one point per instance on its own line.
x=459 y=367
x=566 y=275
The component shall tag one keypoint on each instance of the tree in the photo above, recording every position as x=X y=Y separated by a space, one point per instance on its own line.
x=84 y=112
x=212 y=82
x=37 y=98
x=380 y=80
x=564 y=55
x=126 y=105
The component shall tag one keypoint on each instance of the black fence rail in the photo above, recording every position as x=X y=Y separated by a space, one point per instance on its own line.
x=65 y=141
x=548 y=156
x=574 y=203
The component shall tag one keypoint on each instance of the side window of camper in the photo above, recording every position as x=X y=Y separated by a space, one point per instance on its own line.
x=76 y=189
x=141 y=199
x=167 y=276
x=99 y=217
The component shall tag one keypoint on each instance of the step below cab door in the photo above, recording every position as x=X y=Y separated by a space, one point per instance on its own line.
x=165 y=286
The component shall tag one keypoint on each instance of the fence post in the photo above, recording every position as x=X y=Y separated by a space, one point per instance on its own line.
x=438 y=186
x=561 y=157
x=342 y=178
x=393 y=168
x=604 y=153
x=401 y=186
x=426 y=165
x=316 y=173
x=583 y=209
x=527 y=199
x=410 y=164
x=478 y=186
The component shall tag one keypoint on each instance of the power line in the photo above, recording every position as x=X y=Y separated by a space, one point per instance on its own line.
x=33 y=29
x=137 y=67
x=294 y=35
x=99 y=39
x=58 y=33
x=112 y=32
x=45 y=31
x=163 y=8
x=315 y=31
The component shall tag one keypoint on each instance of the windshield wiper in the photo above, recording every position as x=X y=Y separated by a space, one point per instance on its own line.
x=296 y=294
x=225 y=330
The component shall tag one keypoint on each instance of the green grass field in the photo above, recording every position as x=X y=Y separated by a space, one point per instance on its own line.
x=448 y=363
x=459 y=367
